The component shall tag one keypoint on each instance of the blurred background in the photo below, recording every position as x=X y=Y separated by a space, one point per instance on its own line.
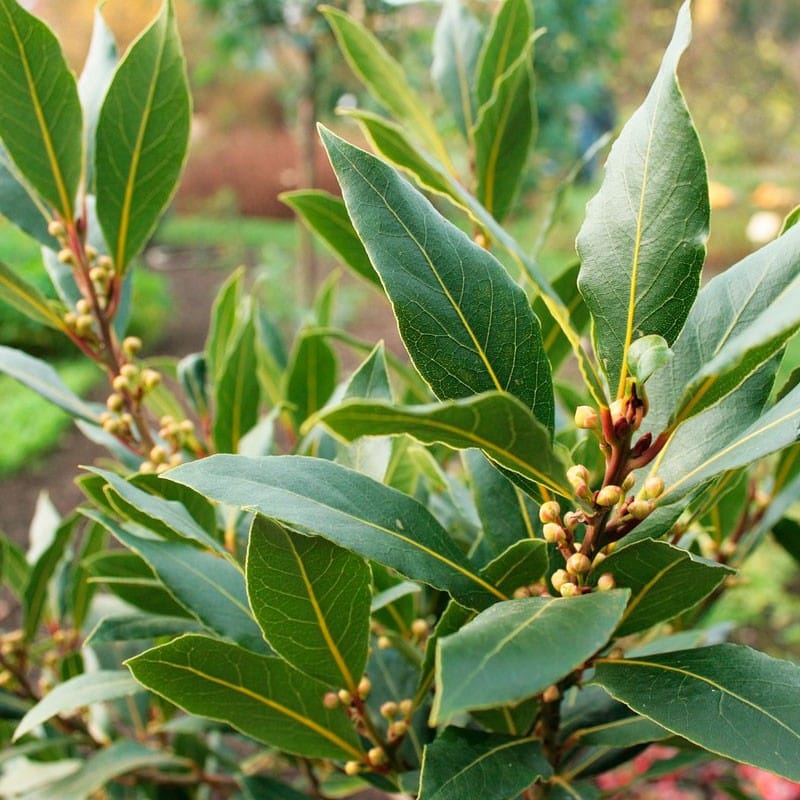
x=263 y=71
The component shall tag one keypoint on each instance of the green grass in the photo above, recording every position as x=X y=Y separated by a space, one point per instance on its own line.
x=249 y=232
x=32 y=425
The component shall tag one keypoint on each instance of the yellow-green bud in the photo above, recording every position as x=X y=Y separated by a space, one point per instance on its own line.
x=577 y=474
x=114 y=402
x=627 y=484
x=551 y=694
x=569 y=590
x=98 y=275
x=550 y=511
x=585 y=417
x=158 y=455
x=389 y=709
x=605 y=582
x=147 y=467
x=617 y=409
x=376 y=756
x=129 y=370
x=609 y=496
x=384 y=643
x=559 y=578
x=83 y=306
x=406 y=707
x=640 y=509
x=56 y=229
x=331 y=700
x=66 y=256
x=131 y=345
x=521 y=593
x=364 y=687
x=352 y=768
x=419 y=627
x=553 y=533
x=571 y=520
x=91 y=252
x=105 y=263
x=175 y=459
x=345 y=698
x=71 y=319
x=187 y=426
x=578 y=564
x=120 y=383
x=84 y=324
x=150 y=379
x=654 y=487
x=398 y=729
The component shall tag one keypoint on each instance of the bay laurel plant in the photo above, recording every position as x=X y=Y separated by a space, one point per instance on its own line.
x=475 y=577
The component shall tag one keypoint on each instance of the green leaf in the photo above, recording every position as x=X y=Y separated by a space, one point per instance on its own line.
x=787 y=534
x=505 y=513
x=312 y=601
x=515 y=640
x=643 y=242
x=438 y=281
x=40 y=118
x=505 y=41
x=28 y=300
x=728 y=699
x=371 y=379
x=777 y=428
x=98 y=71
x=346 y=507
x=325 y=215
x=743 y=354
x=258 y=787
x=201 y=509
x=383 y=77
x=464 y=763
x=495 y=422
x=224 y=328
x=521 y=564
x=140 y=627
x=210 y=588
x=625 y=732
x=20 y=205
x=105 y=765
x=311 y=376
x=664 y=581
x=44 y=380
x=236 y=393
x=83 y=690
x=142 y=138
x=166 y=518
x=646 y=355
x=503 y=134
x=456 y=46
x=261 y=696
x=14 y=569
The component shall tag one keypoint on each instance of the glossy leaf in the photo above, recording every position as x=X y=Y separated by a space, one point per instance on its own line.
x=106 y=764
x=14 y=569
x=326 y=216
x=210 y=588
x=382 y=76
x=44 y=380
x=223 y=330
x=505 y=513
x=371 y=379
x=142 y=137
x=262 y=696
x=643 y=242
x=83 y=690
x=503 y=133
x=497 y=423
x=98 y=71
x=236 y=393
x=465 y=763
x=27 y=299
x=40 y=118
x=456 y=46
x=729 y=699
x=438 y=281
x=311 y=376
x=521 y=564
x=312 y=601
x=516 y=640
x=664 y=581
x=743 y=354
x=777 y=428
x=140 y=627
x=505 y=41
x=20 y=205
x=346 y=507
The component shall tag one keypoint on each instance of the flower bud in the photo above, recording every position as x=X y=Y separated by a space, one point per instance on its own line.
x=553 y=533
x=352 y=768
x=521 y=593
x=551 y=694
x=419 y=627
x=91 y=252
x=330 y=700
x=129 y=370
x=406 y=707
x=98 y=275
x=577 y=474
x=572 y=519
x=398 y=729
x=608 y=496
x=559 y=578
x=654 y=487
x=158 y=455
x=364 y=687
x=120 y=383
x=389 y=709
x=56 y=229
x=114 y=402
x=640 y=509
x=578 y=564
x=71 y=319
x=627 y=484
x=605 y=582
x=84 y=324
x=617 y=411
x=549 y=511
x=569 y=590
x=585 y=418
x=376 y=756
x=83 y=306
x=150 y=379
x=384 y=643
x=345 y=698
x=147 y=467
x=66 y=256
x=131 y=345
